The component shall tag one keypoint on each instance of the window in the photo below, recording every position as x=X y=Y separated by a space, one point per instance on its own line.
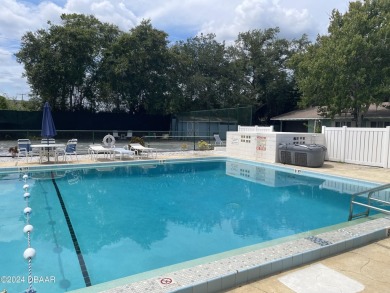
x=246 y=138
x=342 y=123
x=374 y=124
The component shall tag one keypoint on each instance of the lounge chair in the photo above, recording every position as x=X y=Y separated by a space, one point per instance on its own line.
x=95 y=150
x=140 y=150
x=218 y=140
x=129 y=134
x=123 y=152
x=69 y=150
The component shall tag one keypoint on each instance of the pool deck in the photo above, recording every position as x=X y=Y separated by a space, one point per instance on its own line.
x=357 y=256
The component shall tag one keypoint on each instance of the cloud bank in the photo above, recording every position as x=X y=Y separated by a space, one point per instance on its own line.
x=181 y=19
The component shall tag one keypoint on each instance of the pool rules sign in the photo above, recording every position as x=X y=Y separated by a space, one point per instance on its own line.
x=261 y=143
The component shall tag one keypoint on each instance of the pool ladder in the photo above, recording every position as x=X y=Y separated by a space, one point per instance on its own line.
x=368 y=205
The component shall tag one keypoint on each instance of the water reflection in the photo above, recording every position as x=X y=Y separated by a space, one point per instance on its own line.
x=143 y=217
x=138 y=203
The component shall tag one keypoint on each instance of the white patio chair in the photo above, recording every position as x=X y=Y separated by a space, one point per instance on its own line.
x=68 y=151
x=218 y=140
x=48 y=141
x=24 y=148
x=115 y=134
x=49 y=151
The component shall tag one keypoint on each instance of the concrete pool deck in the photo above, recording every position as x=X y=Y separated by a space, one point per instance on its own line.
x=367 y=265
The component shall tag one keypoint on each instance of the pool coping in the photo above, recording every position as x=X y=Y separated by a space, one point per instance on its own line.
x=240 y=266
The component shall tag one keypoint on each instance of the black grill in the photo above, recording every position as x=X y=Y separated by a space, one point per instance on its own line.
x=301 y=159
x=285 y=157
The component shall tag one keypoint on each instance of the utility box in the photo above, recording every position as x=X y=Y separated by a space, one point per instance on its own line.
x=311 y=155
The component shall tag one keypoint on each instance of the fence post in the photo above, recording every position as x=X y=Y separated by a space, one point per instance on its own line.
x=386 y=149
x=343 y=143
x=323 y=131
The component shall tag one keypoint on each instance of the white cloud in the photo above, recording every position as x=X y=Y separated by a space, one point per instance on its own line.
x=114 y=12
x=181 y=19
x=261 y=14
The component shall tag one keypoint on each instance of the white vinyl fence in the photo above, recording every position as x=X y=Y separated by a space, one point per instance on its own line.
x=363 y=146
x=255 y=129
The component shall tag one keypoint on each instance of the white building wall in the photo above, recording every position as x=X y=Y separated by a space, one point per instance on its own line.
x=265 y=146
x=363 y=146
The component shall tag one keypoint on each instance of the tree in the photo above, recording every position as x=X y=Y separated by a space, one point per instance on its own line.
x=265 y=79
x=204 y=75
x=134 y=70
x=60 y=63
x=3 y=103
x=7 y=103
x=348 y=69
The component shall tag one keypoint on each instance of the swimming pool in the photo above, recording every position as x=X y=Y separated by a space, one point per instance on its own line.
x=139 y=217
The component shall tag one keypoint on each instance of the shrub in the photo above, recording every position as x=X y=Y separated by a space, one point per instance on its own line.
x=13 y=150
x=136 y=139
x=202 y=145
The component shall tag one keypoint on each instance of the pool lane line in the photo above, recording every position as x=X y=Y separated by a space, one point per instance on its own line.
x=80 y=257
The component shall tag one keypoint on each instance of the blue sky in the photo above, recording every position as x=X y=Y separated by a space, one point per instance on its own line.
x=181 y=19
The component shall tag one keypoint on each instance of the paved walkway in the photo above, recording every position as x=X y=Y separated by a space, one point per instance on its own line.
x=368 y=265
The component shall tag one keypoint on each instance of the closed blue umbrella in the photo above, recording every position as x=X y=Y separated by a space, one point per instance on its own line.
x=48 y=128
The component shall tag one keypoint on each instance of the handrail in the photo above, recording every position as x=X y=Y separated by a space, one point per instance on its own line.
x=369 y=192
x=374 y=189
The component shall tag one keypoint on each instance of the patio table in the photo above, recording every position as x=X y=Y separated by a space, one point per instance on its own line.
x=47 y=148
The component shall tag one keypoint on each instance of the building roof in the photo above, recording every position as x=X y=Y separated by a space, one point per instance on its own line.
x=374 y=112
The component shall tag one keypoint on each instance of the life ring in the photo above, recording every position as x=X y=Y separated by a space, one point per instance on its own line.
x=109 y=140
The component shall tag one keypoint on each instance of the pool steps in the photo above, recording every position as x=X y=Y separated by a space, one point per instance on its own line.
x=368 y=205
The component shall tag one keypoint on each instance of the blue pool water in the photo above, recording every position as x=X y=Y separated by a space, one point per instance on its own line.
x=131 y=219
